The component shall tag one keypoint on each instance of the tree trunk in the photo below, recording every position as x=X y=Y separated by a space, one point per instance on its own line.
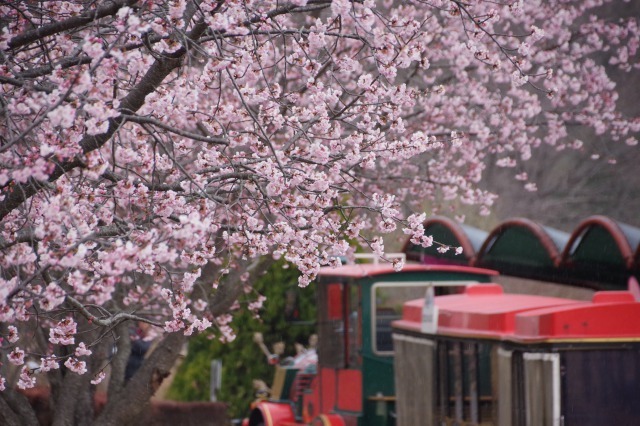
x=16 y=410
x=125 y=406
x=120 y=358
x=69 y=398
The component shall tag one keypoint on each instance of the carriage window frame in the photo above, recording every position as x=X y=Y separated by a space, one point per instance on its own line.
x=399 y=284
x=340 y=326
x=331 y=348
x=463 y=394
x=544 y=365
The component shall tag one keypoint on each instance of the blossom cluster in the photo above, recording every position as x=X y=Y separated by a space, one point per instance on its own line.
x=151 y=145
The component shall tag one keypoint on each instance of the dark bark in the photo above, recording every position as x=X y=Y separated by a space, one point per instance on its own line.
x=15 y=409
x=84 y=413
x=8 y=417
x=67 y=399
x=73 y=401
x=119 y=360
x=68 y=24
x=125 y=406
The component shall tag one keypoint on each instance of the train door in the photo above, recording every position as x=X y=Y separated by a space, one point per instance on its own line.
x=339 y=380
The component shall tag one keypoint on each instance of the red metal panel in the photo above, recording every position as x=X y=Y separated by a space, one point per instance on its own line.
x=613 y=297
x=492 y=315
x=482 y=310
x=334 y=296
x=329 y=420
x=602 y=319
x=276 y=414
x=349 y=396
x=327 y=389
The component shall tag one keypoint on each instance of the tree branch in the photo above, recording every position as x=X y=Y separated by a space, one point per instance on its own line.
x=69 y=24
x=15 y=195
x=109 y=322
x=190 y=135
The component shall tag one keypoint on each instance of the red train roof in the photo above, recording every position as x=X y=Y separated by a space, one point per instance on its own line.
x=481 y=311
x=371 y=269
x=611 y=315
x=484 y=311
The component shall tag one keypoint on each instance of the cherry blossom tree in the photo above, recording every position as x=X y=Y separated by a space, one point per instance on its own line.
x=156 y=155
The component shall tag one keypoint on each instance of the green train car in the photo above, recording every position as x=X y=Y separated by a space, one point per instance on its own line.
x=353 y=383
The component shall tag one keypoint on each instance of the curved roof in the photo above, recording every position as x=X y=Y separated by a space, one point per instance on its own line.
x=451 y=233
x=601 y=250
x=602 y=239
x=601 y=253
x=523 y=247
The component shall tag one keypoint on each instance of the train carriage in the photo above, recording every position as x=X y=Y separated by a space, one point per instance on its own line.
x=506 y=359
x=471 y=358
x=353 y=384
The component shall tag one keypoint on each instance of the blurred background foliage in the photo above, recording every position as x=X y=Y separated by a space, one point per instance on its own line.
x=288 y=315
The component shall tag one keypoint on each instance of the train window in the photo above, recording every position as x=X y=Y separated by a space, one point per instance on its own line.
x=387 y=300
x=339 y=328
x=510 y=388
x=414 y=369
x=542 y=387
x=354 y=343
x=505 y=391
x=464 y=383
x=331 y=348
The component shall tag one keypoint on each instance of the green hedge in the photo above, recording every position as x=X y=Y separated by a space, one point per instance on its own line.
x=242 y=359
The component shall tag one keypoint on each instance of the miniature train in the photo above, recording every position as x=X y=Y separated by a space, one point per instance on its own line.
x=353 y=383
x=474 y=355
x=511 y=359
x=497 y=358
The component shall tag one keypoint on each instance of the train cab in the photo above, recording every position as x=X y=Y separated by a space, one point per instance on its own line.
x=507 y=359
x=352 y=384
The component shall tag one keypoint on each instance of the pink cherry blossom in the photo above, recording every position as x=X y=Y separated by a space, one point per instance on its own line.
x=443 y=249
x=16 y=356
x=63 y=333
x=98 y=378
x=48 y=363
x=78 y=367
x=27 y=380
x=82 y=350
x=53 y=296
x=154 y=155
x=398 y=264
x=13 y=336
